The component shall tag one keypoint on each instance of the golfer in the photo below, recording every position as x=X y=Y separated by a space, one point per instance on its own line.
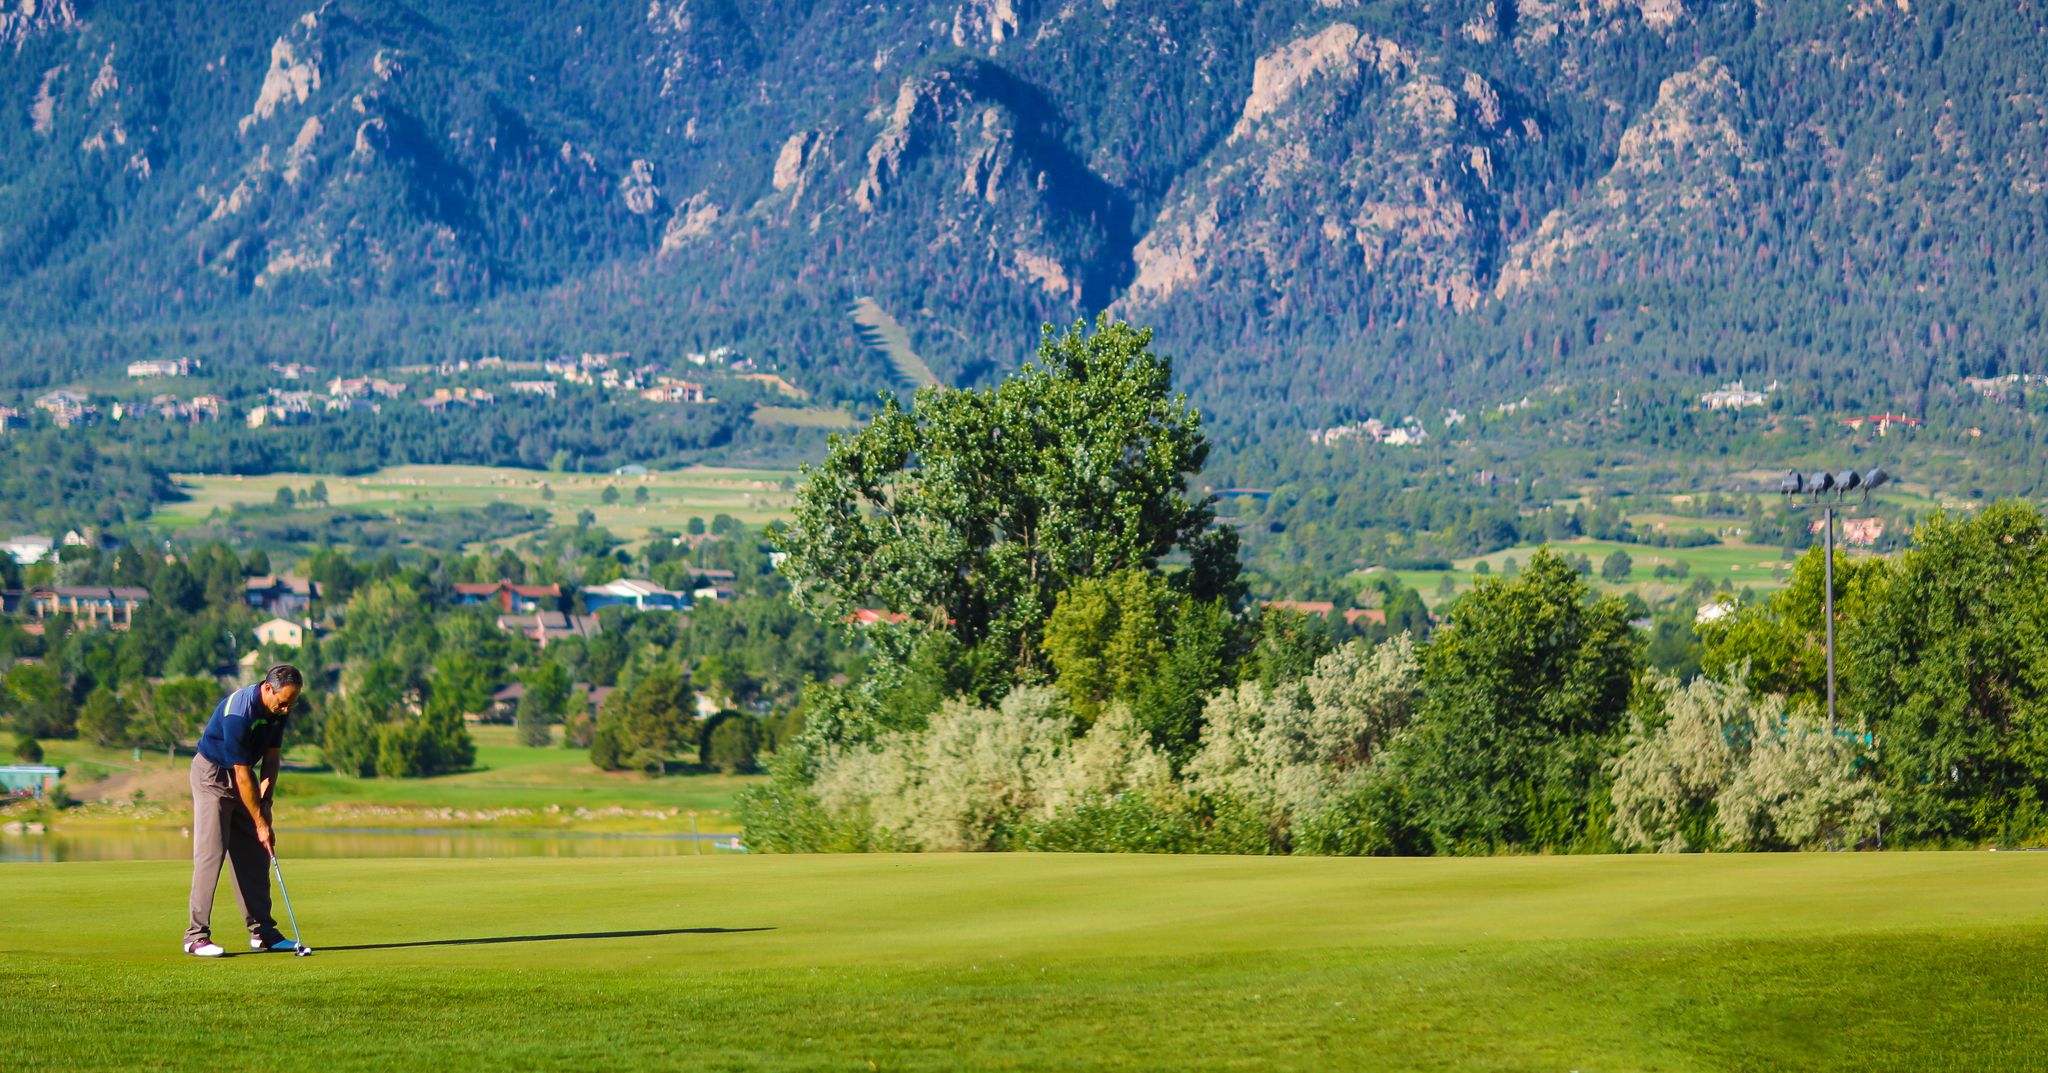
x=231 y=808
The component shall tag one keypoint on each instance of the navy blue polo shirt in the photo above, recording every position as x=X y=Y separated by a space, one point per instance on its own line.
x=241 y=730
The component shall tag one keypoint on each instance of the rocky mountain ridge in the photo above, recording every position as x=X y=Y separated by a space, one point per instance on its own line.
x=1324 y=206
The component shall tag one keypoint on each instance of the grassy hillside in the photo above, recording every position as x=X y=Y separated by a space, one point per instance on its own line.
x=1865 y=962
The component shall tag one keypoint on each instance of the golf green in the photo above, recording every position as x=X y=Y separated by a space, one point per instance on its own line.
x=1901 y=961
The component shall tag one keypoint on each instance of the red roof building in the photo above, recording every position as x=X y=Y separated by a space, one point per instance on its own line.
x=510 y=598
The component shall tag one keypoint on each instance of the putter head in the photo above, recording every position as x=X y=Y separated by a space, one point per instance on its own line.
x=304 y=951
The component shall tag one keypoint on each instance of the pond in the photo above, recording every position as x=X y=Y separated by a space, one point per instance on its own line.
x=149 y=845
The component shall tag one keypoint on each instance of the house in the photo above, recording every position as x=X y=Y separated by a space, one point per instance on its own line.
x=68 y=408
x=510 y=598
x=1862 y=532
x=679 y=391
x=363 y=387
x=292 y=370
x=443 y=398
x=282 y=596
x=29 y=780
x=10 y=601
x=504 y=706
x=29 y=550
x=1733 y=396
x=150 y=370
x=636 y=594
x=1376 y=616
x=11 y=419
x=543 y=388
x=702 y=576
x=1713 y=612
x=90 y=605
x=283 y=633
x=868 y=616
x=713 y=593
x=545 y=626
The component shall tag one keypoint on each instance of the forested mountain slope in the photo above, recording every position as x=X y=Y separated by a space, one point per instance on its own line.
x=1330 y=210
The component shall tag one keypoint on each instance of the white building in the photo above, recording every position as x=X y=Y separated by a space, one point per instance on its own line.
x=150 y=370
x=29 y=550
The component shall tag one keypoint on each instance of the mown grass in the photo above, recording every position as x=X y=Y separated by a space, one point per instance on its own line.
x=1869 y=962
x=551 y=781
x=673 y=497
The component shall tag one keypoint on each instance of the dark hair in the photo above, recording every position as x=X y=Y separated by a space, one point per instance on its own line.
x=283 y=675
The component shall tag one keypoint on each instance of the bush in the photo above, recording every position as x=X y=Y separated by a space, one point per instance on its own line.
x=1163 y=821
x=784 y=816
x=28 y=751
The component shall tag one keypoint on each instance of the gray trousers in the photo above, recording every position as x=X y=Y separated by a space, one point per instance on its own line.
x=221 y=827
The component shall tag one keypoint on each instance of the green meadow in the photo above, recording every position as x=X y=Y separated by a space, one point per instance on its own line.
x=883 y=333
x=1741 y=565
x=1883 y=961
x=673 y=497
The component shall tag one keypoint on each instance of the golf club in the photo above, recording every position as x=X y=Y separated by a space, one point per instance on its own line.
x=298 y=941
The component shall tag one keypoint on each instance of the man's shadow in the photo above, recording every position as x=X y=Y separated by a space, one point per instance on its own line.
x=538 y=938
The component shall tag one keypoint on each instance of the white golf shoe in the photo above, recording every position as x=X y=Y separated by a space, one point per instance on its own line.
x=204 y=949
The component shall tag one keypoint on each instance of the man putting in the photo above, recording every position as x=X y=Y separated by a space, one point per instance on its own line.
x=231 y=808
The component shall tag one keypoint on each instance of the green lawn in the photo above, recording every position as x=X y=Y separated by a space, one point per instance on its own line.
x=805 y=417
x=752 y=496
x=1915 y=962
x=512 y=787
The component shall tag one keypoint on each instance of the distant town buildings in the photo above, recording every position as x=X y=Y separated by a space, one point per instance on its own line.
x=363 y=387
x=283 y=595
x=68 y=408
x=172 y=408
x=1856 y=532
x=1734 y=396
x=640 y=595
x=445 y=397
x=545 y=626
x=2003 y=388
x=676 y=391
x=11 y=419
x=29 y=550
x=150 y=370
x=542 y=388
x=292 y=370
x=1406 y=434
x=510 y=598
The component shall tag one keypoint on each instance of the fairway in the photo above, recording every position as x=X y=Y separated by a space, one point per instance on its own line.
x=673 y=497
x=1898 y=961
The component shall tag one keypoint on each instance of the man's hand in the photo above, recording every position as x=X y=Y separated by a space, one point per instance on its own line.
x=266 y=837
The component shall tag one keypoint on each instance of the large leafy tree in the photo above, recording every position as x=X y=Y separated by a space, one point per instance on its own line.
x=973 y=510
x=1526 y=691
x=1948 y=661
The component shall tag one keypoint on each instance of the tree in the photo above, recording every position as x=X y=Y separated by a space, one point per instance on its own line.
x=640 y=494
x=1946 y=657
x=1618 y=566
x=317 y=493
x=285 y=499
x=28 y=750
x=35 y=702
x=1524 y=692
x=105 y=717
x=1106 y=638
x=732 y=744
x=610 y=494
x=544 y=702
x=644 y=725
x=175 y=711
x=973 y=511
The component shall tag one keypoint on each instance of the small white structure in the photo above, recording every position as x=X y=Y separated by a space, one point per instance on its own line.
x=1713 y=612
x=29 y=550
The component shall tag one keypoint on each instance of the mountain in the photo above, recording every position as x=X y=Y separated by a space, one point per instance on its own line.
x=1330 y=210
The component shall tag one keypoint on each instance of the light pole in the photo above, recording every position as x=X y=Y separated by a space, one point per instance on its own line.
x=1818 y=486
